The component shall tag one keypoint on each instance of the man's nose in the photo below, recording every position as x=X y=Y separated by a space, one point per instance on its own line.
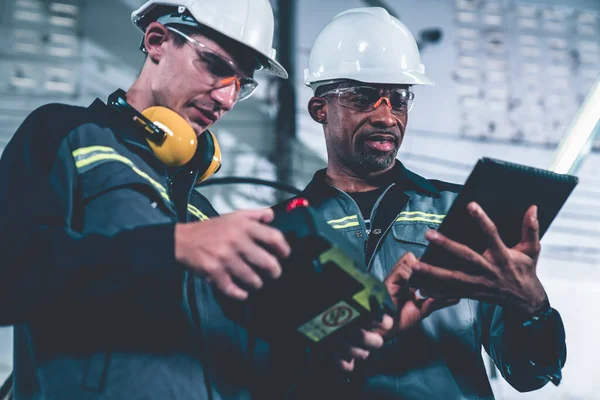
x=227 y=95
x=382 y=115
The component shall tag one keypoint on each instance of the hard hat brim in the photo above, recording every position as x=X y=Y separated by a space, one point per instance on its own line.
x=269 y=64
x=272 y=67
x=375 y=76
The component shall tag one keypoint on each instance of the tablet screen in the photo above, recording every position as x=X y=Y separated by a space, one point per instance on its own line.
x=505 y=191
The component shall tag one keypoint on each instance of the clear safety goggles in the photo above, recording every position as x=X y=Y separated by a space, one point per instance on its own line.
x=223 y=71
x=367 y=98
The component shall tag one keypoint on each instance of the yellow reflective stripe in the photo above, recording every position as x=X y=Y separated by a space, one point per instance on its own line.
x=406 y=219
x=337 y=221
x=90 y=160
x=114 y=156
x=195 y=211
x=420 y=216
x=334 y=222
x=349 y=224
x=438 y=216
x=90 y=149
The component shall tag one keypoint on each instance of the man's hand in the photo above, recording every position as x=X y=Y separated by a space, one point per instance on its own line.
x=234 y=252
x=411 y=309
x=360 y=347
x=503 y=276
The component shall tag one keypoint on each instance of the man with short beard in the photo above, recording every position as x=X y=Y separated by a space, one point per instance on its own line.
x=361 y=68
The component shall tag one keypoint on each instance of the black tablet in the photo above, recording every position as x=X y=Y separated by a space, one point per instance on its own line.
x=505 y=191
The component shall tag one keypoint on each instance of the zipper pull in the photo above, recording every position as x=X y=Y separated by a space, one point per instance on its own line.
x=169 y=185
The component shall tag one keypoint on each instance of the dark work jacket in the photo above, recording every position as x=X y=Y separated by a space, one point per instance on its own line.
x=441 y=357
x=88 y=277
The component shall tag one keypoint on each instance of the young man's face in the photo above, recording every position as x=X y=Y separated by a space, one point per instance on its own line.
x=189 y=79
x=364 y=141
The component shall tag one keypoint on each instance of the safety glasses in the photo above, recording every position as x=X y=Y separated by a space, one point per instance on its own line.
x=223 y=71
x=366 y=98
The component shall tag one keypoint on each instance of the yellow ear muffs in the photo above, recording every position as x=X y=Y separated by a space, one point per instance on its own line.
x=179 y=143
x=172 y=140
x=210 y=159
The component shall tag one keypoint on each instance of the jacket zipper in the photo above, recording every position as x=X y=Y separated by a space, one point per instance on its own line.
x=362 y=220
x=170 y=186
x=170 y=183
x=373 y=212
x=193 y=301
x=384 y=234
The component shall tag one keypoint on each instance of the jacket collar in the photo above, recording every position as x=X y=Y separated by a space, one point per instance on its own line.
x=399 y=174
x=125 y=129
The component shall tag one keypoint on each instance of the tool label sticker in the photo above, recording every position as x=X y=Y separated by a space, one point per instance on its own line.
x=329 y=321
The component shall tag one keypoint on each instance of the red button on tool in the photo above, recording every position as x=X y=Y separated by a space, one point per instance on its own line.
x=300 y=202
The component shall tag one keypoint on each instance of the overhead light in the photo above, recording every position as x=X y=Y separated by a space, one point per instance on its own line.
x=579 y=136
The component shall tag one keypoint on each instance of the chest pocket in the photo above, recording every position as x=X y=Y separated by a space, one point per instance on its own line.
x=116 y=193
x=410 y=227
x=350 y=228
x=411 y=236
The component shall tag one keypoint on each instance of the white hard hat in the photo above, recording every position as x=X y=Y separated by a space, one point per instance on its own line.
x=249 y=22
x=367 y=45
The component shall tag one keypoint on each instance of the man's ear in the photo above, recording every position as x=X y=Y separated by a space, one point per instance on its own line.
x=156 y=35
x=317 y=108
